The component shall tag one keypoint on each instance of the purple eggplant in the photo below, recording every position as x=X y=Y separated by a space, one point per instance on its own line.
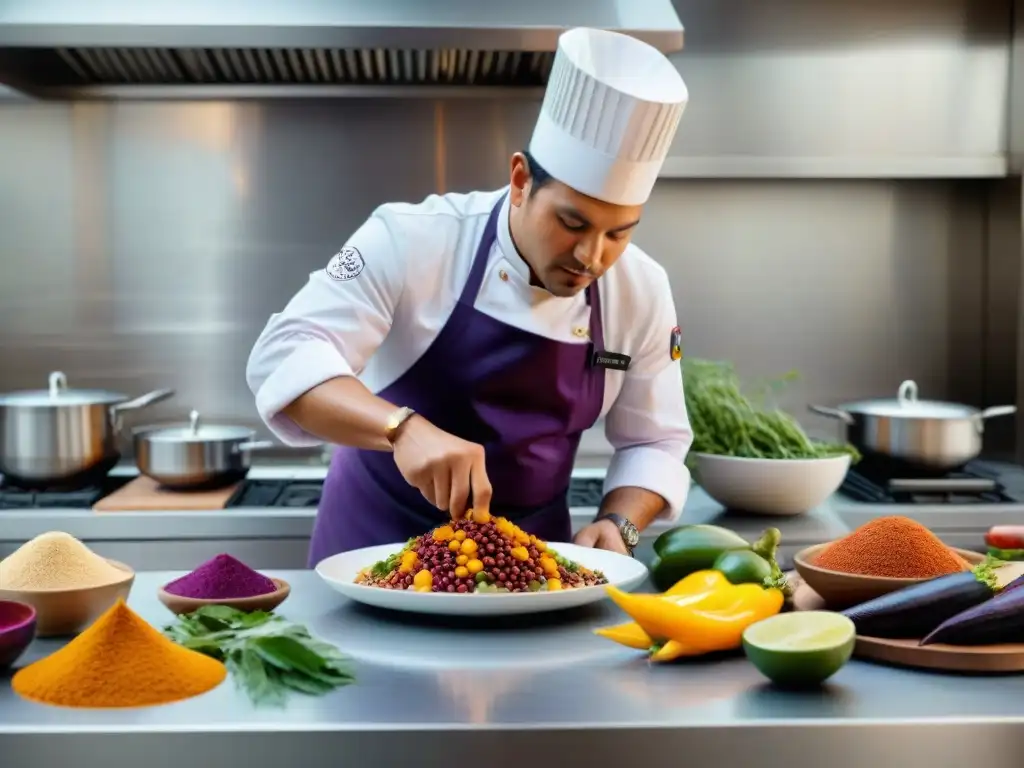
x=1018 y=582
x=914 y=611
x=999 y=620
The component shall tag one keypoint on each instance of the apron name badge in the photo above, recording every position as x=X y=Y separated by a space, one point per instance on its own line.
x=614 y=361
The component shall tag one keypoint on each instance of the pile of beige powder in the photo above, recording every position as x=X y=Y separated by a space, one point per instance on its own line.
x=56 y=560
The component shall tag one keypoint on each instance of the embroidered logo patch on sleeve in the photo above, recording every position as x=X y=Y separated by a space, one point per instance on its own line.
x=346 y=264
x=676 y=344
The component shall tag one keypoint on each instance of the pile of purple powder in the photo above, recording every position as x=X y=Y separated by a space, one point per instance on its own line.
x=221 y=578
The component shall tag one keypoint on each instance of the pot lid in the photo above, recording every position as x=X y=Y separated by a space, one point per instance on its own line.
x=906 y=405
x=59 y=394
x=196 y=432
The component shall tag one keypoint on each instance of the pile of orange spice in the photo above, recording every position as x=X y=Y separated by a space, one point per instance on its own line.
x=894 y=546
x=118 y=661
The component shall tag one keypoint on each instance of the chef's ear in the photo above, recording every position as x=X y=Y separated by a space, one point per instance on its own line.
x=519 y=180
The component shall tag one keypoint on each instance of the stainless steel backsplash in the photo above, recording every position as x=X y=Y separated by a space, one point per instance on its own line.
x=145 y=245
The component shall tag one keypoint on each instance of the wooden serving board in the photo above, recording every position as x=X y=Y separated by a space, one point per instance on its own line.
x=907 y=653
x=145 y=494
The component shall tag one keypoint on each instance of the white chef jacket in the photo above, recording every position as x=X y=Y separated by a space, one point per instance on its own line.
x=405 y=269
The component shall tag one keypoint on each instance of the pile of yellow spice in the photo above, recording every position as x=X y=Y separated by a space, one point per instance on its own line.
x=56 y=560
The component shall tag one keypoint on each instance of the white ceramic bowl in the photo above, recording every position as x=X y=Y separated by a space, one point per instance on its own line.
x=770 y=486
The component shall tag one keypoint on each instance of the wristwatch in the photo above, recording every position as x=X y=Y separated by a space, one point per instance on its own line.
x=628 y=531
x=395 y=421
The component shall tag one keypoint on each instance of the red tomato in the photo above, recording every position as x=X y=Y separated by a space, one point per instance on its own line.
x=1005 y=537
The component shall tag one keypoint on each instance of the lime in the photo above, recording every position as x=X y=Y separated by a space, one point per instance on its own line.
x=803 y=648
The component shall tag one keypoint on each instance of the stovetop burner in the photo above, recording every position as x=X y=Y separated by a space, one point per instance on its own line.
x=974 y=484
x=277 y=493
x=13 y=497
x=583 y=492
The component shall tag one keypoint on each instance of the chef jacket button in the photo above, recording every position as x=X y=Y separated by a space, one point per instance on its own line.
x=579 y=331
x=503 y=275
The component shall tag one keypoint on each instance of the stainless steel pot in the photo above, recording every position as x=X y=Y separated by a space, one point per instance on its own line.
x=60 y=436
x=927 y=433
x=196 y=455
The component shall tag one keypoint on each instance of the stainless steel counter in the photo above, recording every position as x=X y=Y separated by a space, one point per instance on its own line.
x=279 y=537
x=516 y=690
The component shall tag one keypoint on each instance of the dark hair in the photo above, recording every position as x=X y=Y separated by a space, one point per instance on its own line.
x=538 y=176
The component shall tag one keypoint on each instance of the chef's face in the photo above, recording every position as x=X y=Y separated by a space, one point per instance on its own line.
x=568 y=239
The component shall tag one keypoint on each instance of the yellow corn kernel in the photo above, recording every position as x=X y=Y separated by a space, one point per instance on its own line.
x=444 y=533
x=481 y=516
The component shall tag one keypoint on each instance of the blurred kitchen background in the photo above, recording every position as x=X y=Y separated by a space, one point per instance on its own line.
x=843 y=199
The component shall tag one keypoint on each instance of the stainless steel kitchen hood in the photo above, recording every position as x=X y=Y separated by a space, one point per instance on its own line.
x=214 y=48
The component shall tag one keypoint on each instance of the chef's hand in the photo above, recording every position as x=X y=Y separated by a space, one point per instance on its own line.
x=444 y=468
x=604 y=534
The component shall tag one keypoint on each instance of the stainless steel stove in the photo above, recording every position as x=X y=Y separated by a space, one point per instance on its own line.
x=251 y=494
x=977 y=483
x=959 y=506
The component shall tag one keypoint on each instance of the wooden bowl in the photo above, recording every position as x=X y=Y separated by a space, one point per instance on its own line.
x=17 y=630
x=841 y=590
x=62 y=612
x=268 y=602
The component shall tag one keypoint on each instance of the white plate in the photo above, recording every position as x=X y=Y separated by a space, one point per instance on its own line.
x=340 y=572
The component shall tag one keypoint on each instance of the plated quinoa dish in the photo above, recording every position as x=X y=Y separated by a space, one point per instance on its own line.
x=478 y=555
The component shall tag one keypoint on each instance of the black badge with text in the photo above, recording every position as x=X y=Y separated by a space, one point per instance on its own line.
x=614 y=361
x=346 y=264
x=675 y=344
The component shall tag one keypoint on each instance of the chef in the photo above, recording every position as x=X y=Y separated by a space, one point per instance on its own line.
x=456 y=349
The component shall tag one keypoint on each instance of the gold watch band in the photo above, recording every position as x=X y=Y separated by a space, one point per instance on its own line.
x=395 y=421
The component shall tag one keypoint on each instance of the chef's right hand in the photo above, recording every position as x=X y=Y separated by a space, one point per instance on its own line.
x=444 y=468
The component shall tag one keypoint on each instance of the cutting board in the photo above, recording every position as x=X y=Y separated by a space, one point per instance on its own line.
x=907 y=653
x=145 y=494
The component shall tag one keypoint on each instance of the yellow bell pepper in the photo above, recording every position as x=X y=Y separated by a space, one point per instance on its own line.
x=688 y=591
x=699 y=582
x=699 y=624
x=671 y=651
x=628 y=634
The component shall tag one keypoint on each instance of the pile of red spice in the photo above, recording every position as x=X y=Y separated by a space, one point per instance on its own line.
x=894 y=546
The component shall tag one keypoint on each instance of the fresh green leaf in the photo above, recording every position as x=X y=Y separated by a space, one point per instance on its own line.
x=728 y=420
x=266 y=655
x=305 y=684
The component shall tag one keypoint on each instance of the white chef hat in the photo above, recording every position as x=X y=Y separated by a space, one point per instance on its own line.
x=610 y=112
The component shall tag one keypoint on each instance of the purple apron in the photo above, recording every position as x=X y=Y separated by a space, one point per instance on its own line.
x=525 y=398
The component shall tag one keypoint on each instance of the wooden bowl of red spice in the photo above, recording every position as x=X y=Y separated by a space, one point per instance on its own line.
x=223 y=580
x=882 y=556
x=268 y=602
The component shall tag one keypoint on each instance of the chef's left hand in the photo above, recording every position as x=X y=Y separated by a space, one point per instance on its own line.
x=604 y=534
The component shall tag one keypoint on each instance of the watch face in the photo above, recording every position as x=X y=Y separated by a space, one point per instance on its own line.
x=630 y=534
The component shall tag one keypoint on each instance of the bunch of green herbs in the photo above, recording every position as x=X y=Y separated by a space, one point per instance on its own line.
x=267 y=656
x=729 y=420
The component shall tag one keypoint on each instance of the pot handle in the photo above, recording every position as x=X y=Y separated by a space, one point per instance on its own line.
x=58 y=382
x=143 y=401
x=907 y=392
x=998 y=410
x=832 y=413
x=255 y=445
